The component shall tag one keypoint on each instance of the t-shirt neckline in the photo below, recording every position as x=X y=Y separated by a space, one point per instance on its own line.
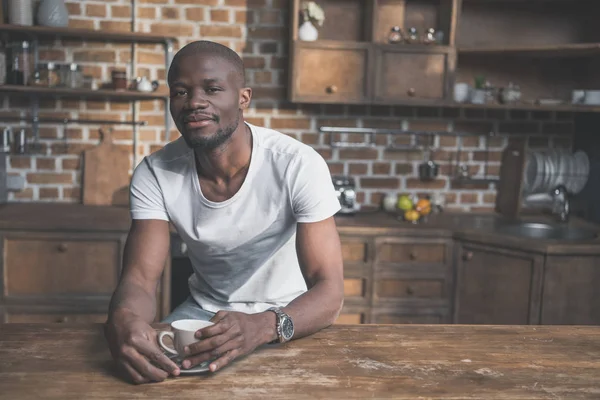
x=245 y=184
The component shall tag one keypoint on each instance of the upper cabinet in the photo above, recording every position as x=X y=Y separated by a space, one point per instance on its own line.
x=355 y=60
x=517 y=53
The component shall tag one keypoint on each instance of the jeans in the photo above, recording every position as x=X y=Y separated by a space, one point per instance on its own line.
x=189 y=309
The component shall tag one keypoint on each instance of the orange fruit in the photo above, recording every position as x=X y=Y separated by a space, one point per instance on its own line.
x=423 y=206
x=412 y=215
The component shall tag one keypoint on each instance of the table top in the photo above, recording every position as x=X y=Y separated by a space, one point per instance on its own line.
x=69 y=361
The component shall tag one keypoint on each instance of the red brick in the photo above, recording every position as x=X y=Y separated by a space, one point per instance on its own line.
x=198 y=2
x=477 y=127
x=219 y=15
x=360 y=197
x=179 y=29
x=403 y=155
x=52 y=55
x=45 y=163
x=382 y=168
x=81 y=23
x=447 y=141
x=258 y=121
x=48 y=133
x=336 y=168
x=120 y=11
x=404 y=169
x=273 y=93
x=73 y=9
x=20 y=162
x=147 y=12
x=243 y=17
x=268 y=33
x=74 y=133
x=416 y=183
x=493 y=170
x=358 y=154
x=380 y=123
x=48 y=193
x=310 y=138
x=72 y=193
x=491 y=156
x=489 y=197
x=325 y=153
x=155 y=1
x=446 y=156
x=71 y=148
x=279 y=62
x=232 y=31
x=263 y=77
x=50 y=178
x=338 y=122
x=71 y=163
x=377 y=183
x=95 y=10
x=25 y=194
x=290 y=123
x=468 y=198
x=377 y=198
x=107 y=56
x=457 y=185
x=358 y=169
x=471 y=141
x=170 y=12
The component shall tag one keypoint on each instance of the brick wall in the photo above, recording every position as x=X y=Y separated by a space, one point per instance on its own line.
x=256 y=30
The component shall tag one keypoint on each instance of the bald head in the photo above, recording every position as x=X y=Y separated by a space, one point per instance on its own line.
x=208 y=49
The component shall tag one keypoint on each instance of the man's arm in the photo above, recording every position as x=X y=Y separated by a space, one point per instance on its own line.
x=320 y=256
x=131 y=339
x=145 y=254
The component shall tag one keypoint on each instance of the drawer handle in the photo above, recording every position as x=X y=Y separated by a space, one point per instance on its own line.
x=62 y=247
x=413 y=255
x=411 y=92
x=468 y=256
x=410 y=291
x=332 y=89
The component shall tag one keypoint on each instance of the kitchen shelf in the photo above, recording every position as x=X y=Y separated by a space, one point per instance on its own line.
x=529 y=51
x=81 y=93
x=85 y=34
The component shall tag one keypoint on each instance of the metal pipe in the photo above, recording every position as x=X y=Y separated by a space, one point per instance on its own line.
x=331 y=129
x=70 y=121
x=134 y=104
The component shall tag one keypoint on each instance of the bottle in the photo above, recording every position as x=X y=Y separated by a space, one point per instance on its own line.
x=395 y=35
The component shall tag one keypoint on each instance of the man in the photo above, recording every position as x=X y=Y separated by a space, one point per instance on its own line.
x=255 y=209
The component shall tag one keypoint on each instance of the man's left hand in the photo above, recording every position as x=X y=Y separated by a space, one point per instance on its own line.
x=233 y=334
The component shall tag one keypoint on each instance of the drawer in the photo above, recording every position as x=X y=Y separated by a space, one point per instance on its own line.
x=55 y=266
x=49 y=318
x=398 y=252
x=354 y=250
x=330 y=74
x=354 y=287
x=391 y=288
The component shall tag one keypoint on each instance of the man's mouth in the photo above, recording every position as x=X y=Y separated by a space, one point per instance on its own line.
x=198 y=120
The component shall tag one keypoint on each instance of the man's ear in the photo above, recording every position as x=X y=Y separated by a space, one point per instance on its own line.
x=245 y=98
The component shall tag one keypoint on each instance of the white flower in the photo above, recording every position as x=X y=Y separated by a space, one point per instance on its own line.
x=312 y=11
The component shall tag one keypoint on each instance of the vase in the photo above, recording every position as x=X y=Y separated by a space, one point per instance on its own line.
x=19 y=12
x=53 y=13
x=308 y=32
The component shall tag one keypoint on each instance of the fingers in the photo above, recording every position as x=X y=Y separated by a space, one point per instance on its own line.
x=133 y=374
x=235 y=344
x=223 y=360
x=155 y=354
x=144 y=367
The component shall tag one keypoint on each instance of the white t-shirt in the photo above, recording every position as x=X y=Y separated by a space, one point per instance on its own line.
x=243 y=250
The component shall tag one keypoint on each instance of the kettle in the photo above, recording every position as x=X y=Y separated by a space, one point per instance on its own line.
x=143 y=84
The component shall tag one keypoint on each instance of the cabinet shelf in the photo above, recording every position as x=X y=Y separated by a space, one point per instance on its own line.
x=85 y=34
x=530 y=51
x=81 y=93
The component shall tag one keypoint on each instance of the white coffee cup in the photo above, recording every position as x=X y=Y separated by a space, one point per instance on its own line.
x=183 y=334
x=461 y=92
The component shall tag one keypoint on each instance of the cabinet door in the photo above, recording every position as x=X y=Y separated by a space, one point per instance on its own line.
x=571 y=291
x=410 y=76
x=496 y=286
x=330 y=75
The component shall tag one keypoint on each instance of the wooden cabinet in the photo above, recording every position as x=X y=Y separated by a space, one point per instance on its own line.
x=496 y=286
x=571 y=290
x=331 y=73
x=403 y=75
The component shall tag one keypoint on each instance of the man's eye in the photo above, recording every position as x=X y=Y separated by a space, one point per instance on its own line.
x=212 y=90
x=180 y=93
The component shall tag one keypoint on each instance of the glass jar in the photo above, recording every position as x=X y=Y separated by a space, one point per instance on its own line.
x=75 y=76
x=395 y=35
x=47 y=75
x=20 y=63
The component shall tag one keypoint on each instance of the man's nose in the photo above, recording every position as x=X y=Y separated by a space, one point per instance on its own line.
x=197 y=100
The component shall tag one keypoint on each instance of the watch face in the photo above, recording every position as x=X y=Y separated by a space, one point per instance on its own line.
x=287 y=328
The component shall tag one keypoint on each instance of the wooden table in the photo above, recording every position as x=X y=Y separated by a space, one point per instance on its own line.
x=64 y=361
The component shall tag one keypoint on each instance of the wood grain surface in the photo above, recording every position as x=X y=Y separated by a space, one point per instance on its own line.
x=69 y=361
x=105 y=173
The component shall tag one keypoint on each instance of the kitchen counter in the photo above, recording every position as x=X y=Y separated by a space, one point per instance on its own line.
x=62 y=361
x=477 y=228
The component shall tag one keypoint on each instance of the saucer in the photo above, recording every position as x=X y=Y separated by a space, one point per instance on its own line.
x=195 y=370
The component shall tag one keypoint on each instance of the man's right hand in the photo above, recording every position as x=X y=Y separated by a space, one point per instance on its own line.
x=133 y=345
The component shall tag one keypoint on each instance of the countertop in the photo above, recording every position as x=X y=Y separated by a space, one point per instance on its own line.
x=63 y=361
x=477 y=228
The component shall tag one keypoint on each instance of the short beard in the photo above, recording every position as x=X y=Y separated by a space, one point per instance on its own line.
x=213 y=142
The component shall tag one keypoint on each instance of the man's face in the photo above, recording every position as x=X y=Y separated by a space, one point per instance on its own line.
x=206 y=100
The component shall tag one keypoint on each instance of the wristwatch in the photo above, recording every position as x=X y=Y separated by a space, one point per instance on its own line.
x=284 y=325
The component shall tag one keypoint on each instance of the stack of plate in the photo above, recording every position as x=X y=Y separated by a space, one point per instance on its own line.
x=545 y=170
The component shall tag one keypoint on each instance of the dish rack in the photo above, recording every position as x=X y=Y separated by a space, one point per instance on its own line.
x=533 y=179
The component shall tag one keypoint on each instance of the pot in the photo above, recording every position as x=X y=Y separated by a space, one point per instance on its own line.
x=428 y=170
